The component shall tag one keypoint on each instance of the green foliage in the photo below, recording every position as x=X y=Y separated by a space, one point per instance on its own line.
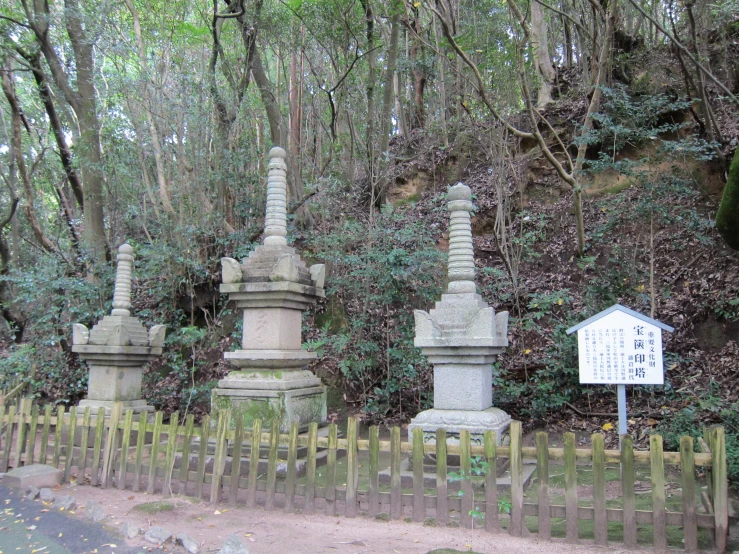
x=380 y=272
x=478 y=468
x=706 y=406
x=727 y=217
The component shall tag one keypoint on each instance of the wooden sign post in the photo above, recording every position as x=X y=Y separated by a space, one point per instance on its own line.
x=619 y=346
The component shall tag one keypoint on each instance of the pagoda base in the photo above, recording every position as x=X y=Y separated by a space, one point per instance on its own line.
x=455 y=421
x=283 y=396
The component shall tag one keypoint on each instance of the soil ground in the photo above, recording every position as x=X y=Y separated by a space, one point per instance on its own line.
x=273 y=532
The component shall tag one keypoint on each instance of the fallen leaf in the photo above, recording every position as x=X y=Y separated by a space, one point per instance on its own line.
x=608 y=427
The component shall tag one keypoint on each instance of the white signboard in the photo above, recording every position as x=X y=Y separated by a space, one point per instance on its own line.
x=620 y=349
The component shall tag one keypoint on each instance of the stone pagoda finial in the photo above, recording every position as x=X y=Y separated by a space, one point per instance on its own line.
x=122 y=291
x=461 y=264
x=275 y=221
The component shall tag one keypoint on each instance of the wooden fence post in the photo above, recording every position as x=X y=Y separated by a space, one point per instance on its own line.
x=83 y=445
x=8 y=438
x=45 y=434
x=185 y=460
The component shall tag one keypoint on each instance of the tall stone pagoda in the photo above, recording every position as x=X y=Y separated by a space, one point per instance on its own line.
x=462 y=336
x=118 y=348
x=272 y=287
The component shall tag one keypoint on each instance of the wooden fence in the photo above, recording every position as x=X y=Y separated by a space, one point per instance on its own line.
x=214 y=462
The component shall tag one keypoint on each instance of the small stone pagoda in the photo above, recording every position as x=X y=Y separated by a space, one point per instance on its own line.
x=272 y=287
x=462 y=336
x=118 y=348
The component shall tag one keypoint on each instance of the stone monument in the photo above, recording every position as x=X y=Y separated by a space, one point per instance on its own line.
x=272 y=287
x=118 y=348
x=461 y=337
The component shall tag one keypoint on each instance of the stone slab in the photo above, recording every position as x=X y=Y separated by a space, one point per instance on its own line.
x=463 y=387
x=271 y=329
x=34 y=475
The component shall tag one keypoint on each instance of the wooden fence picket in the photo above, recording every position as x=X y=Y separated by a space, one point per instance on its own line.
x=628 y=490
x=58 y=435
x=31 y=440
x=442 y=500
x=542 y=476
x=352 y=468
x=10 y=418
x=517 y=527
x=111 y=445
x=292 y=469
x=84 y=439
x=20 y=433
x=97 y=446
x=274 y=438
x=69 y=457
x=396 y=507
x=687 y=470
x=202 y=456
x=330 y=493
x=256 y=444
x=310 y=468
x=185 y=460
x=139 y=456
x=373 y=507
x=219 y=457
x=125 y=444
x=45 y=434
x=235 y=460
x=657 y=471
x=720 y=488
x=169 y=458
x=419 y=508
x=570 y=488
x=467 y=501
x=600 y=523
x=154 y=459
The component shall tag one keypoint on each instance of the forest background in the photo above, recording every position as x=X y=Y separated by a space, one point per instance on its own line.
x=597 y=137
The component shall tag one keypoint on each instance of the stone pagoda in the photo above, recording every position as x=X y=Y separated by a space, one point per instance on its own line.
x=118 y=348
x=462 y=336
x=272 y=287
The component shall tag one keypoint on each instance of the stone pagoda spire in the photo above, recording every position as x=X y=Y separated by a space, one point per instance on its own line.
x=462 y=336
x=272 y=288
x=118 y=347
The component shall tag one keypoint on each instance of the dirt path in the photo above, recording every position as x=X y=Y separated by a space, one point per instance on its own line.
x=280 y=533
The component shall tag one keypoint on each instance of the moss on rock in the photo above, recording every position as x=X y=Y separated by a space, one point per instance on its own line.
x=727 y=217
